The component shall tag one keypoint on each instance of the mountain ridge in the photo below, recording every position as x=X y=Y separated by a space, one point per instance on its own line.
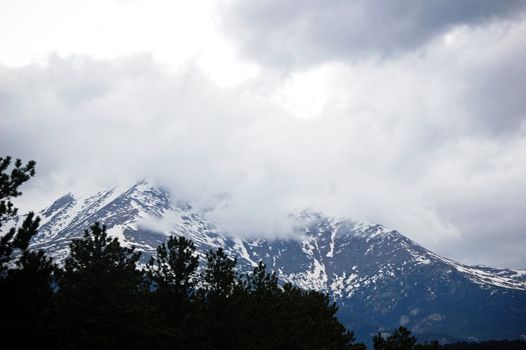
x=378 y=277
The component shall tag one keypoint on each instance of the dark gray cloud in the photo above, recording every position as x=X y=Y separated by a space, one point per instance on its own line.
x=290 y=33
x=497 y=96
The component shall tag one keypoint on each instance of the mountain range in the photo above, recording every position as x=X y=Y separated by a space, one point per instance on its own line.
x=379 y=278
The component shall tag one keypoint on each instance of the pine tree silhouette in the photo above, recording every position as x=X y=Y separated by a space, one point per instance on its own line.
x=172 y=275
x=26 y=295
x=14 y=238
x=101 y=295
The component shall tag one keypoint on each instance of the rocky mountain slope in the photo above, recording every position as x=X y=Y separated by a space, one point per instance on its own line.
x=379 y=278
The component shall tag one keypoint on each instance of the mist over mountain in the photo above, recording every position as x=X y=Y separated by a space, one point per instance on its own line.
x=379 y=278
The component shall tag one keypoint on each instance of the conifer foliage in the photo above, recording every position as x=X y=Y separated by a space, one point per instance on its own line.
x=173 y=269
x=171 y=278
x=401 y=339
x=26 y=277
x=100 y=294
x=10 y=182
x=105 y=298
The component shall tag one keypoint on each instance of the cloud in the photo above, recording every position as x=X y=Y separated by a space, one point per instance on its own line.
x=92 y=123
x=287 y=34
x=421 y=142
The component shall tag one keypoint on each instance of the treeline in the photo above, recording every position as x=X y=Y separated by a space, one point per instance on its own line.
x=102 y=299
x=401 y=339
x=488 y=345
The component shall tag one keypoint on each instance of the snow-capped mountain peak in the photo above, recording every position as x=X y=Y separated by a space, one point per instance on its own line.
x=378 y=277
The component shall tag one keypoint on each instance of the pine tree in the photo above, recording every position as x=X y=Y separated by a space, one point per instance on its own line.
x=101 y=295
x=309 y=319
x=174 y=267
x=220 y=277
x=15 y=238
x=257 y=304
x=262 y=283
x=26 y=278
x=218 y=296
x=172 y=274
x=400 y=339
x=28 y=301
x=379 y=342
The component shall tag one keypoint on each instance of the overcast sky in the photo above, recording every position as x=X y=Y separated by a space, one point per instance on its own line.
x=411 y=113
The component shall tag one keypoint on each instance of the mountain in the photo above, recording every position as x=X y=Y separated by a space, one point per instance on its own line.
x=379 y=278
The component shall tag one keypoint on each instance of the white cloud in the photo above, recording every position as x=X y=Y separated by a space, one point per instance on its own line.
x=429 y=141
x=173 y=32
